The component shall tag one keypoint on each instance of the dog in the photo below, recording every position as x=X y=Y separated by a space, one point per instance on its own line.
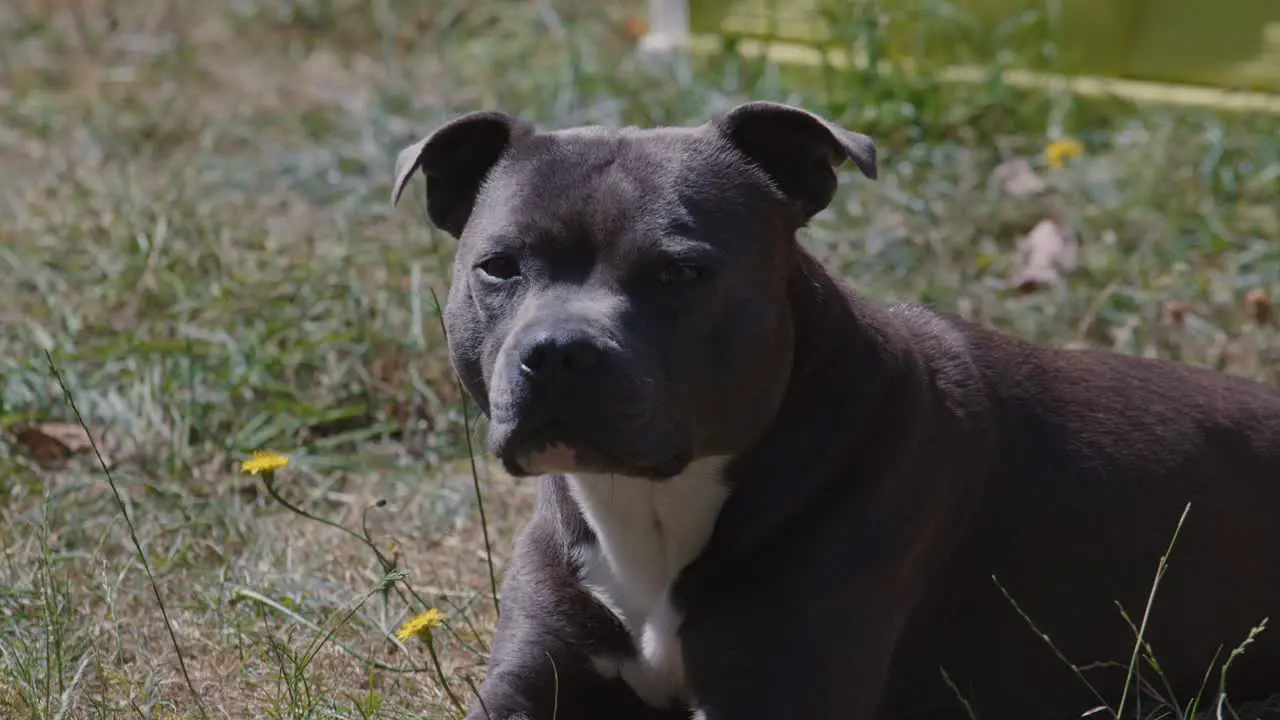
x=764 y=495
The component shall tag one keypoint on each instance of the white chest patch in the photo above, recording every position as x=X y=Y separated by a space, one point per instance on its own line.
x=647 y=532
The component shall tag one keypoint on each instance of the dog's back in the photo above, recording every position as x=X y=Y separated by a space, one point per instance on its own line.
x=1099 y=455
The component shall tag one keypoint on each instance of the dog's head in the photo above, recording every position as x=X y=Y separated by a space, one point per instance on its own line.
x=619 y=300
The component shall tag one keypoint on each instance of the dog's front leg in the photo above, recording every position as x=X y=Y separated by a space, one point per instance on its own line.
x=827 y=658
x=538 y=679
x=540 y=664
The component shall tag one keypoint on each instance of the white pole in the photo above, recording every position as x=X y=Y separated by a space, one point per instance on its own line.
x=668 y=27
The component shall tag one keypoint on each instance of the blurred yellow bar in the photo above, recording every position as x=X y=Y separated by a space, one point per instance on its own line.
x=1138 y=91
x=1159 y=51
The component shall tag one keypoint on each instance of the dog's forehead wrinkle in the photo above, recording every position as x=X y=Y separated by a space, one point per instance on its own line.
x=587 y=184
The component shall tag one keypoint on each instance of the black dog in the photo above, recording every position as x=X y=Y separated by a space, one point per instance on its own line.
x=764 y=496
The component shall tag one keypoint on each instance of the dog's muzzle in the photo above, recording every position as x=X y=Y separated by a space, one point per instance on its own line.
x=567 y=400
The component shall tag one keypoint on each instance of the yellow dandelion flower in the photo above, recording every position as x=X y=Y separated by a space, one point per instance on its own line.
x=421 y=624
x=1058 y=152
x=263 y=461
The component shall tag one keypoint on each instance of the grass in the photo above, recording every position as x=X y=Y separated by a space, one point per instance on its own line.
x=194 y=227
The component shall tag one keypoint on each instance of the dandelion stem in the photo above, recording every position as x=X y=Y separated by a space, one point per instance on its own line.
x=268 y=481
x=444 y=683
x=246 y=594
x=312 y=652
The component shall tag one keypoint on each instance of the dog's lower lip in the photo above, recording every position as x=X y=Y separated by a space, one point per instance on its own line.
x=548 y=434
x=542 y=437
x=555 y=431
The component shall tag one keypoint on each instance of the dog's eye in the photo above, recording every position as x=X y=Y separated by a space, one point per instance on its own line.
x=676 y=273
x=499 y=267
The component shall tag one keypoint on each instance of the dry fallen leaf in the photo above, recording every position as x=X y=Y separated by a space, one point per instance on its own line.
x=636 y=27
x=52 y=444
x=1174 y=312
x=1016 y=177
x=1046 y=254
x=1257 y=304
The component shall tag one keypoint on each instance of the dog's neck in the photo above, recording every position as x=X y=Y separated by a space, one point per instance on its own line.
x=851 y=371
x=820 y=302
x=649 y=530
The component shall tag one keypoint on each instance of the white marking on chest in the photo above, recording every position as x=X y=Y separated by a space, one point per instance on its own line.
x=647 y=533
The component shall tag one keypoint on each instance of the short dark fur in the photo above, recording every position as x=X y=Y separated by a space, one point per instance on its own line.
x=889 y=460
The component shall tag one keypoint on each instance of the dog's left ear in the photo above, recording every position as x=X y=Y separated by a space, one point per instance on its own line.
x=797 y=149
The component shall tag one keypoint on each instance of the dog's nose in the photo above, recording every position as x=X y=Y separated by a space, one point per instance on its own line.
x=559 y=355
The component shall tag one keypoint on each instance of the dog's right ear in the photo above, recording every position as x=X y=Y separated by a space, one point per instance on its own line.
x=456 y=159
x=797 y=149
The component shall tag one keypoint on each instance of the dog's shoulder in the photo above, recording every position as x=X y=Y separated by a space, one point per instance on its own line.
x=943 y=347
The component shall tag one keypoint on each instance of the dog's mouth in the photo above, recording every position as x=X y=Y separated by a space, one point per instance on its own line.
x=550 y=448
x=555 y=448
